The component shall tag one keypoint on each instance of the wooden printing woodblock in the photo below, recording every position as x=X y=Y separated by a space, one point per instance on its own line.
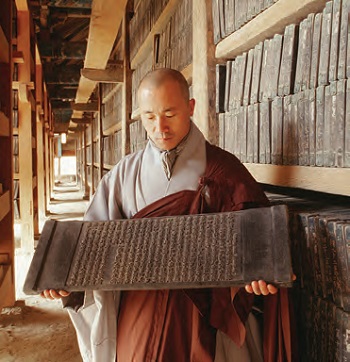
x=322 y=344
x=338 y=126
x=269 y=71
x=220 y=87
x=259 y=6
x=331 y=310
x=222 y=130
x=343 y=39
x=248 y=77
x=263 y=124
x=312 y=127
x=241 y=71
x=343 y=237
x=345 y=351
x=229 y=132
x=300 y=115
x=264 y=69
x=307 y=54
x=306 y=136
x=316 y=256
x=229 y=16
x=276 y=130
x=315 y=53
x=347 y=127
x=222 y=18
x=334 y=50
x=300 y=56
x=233 y=85
x=227 y=85
x=308 y=273
x=250 y=134
x=287 y=133
x=237 y=124
x=114 y=254
x=238 y=15
x=294 y=227
x=243 y=133
x=256 y=125
x=316 y=330
x=277 y=43
x=338 y=335
x=244 y=12
x=330 y=107
x=305 y=322
x=325 y=44
x=327 y=247
x=320 y=116
x=249 y=11
x=257 y=62
x=294 y=132
x=338 y=289
x=288 y=61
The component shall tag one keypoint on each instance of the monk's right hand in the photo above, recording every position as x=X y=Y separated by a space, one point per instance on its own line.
x=54 y=294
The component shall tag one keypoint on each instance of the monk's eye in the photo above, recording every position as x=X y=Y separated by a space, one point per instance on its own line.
x=169 y=115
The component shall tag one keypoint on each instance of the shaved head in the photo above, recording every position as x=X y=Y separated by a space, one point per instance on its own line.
x=158 y=77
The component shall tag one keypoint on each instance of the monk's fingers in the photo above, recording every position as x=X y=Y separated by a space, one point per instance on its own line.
x=294 y=277
x=63 y=293
x=272 y=289
x=54 y=294
x=249 y=288
x=256 y=287
x=46 y=294
x=263 y=287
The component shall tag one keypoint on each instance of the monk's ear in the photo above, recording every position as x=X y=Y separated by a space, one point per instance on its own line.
x=191 y=104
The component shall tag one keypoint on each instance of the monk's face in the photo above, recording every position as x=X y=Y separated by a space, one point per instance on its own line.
x=165 y=113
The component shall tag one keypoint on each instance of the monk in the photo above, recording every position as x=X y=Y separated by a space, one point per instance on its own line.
x=177 y=173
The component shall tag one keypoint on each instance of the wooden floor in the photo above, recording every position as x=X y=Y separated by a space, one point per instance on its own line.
x=36 y=330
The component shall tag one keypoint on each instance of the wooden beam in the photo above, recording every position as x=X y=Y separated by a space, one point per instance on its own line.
x=4 y=204
x=268 y=23
x=108 y=75
x=85 y=107
x=81 y=120
x=4 y=125
x=17 y=57
x=4 y=46
x=323 y=179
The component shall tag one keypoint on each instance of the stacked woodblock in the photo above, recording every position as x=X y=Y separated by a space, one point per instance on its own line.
x=320 y=237
x=112 y=149
x=172 y=45
x=284 y=102
x=231 y=15
x=138 y=137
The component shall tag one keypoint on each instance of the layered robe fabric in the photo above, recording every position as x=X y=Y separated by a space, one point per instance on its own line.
x=177 y=325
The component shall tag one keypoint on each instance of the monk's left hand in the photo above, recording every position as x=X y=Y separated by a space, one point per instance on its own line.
x=260 y=287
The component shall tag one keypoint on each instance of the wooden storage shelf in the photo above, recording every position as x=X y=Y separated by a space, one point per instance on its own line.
x=16 y=176
x=5 y=205
x=147 y=45
x=106 y=98
x=17 y=57
x=4 y=125
x=88 y=163
x=4 y=47
x=96 y=164
x=322 y=179
x=268 y=23
x=107 y=167
x=15 y=131
x=15 y=85
x=111 y=130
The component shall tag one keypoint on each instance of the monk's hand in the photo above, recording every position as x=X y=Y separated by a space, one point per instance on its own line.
x=54 y=294
x=260 y=287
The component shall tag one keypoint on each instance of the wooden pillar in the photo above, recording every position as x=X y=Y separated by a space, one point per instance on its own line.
x=25 y=134
x=92 y=151
x=100 y=131
x=52 y=165
x=40 y=150
x=86 y=184
x=127 y=97
x=47 y=167
x=204 y=69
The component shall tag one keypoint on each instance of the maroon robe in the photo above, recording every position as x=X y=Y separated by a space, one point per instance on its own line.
x=180 y=325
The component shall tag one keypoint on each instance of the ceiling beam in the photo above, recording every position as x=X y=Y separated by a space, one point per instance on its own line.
x=63 y=50
x=65 y=74
x=58 y=92
x=106 y=17
x=85 y=107
x=108 y=75
x=81 y=120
